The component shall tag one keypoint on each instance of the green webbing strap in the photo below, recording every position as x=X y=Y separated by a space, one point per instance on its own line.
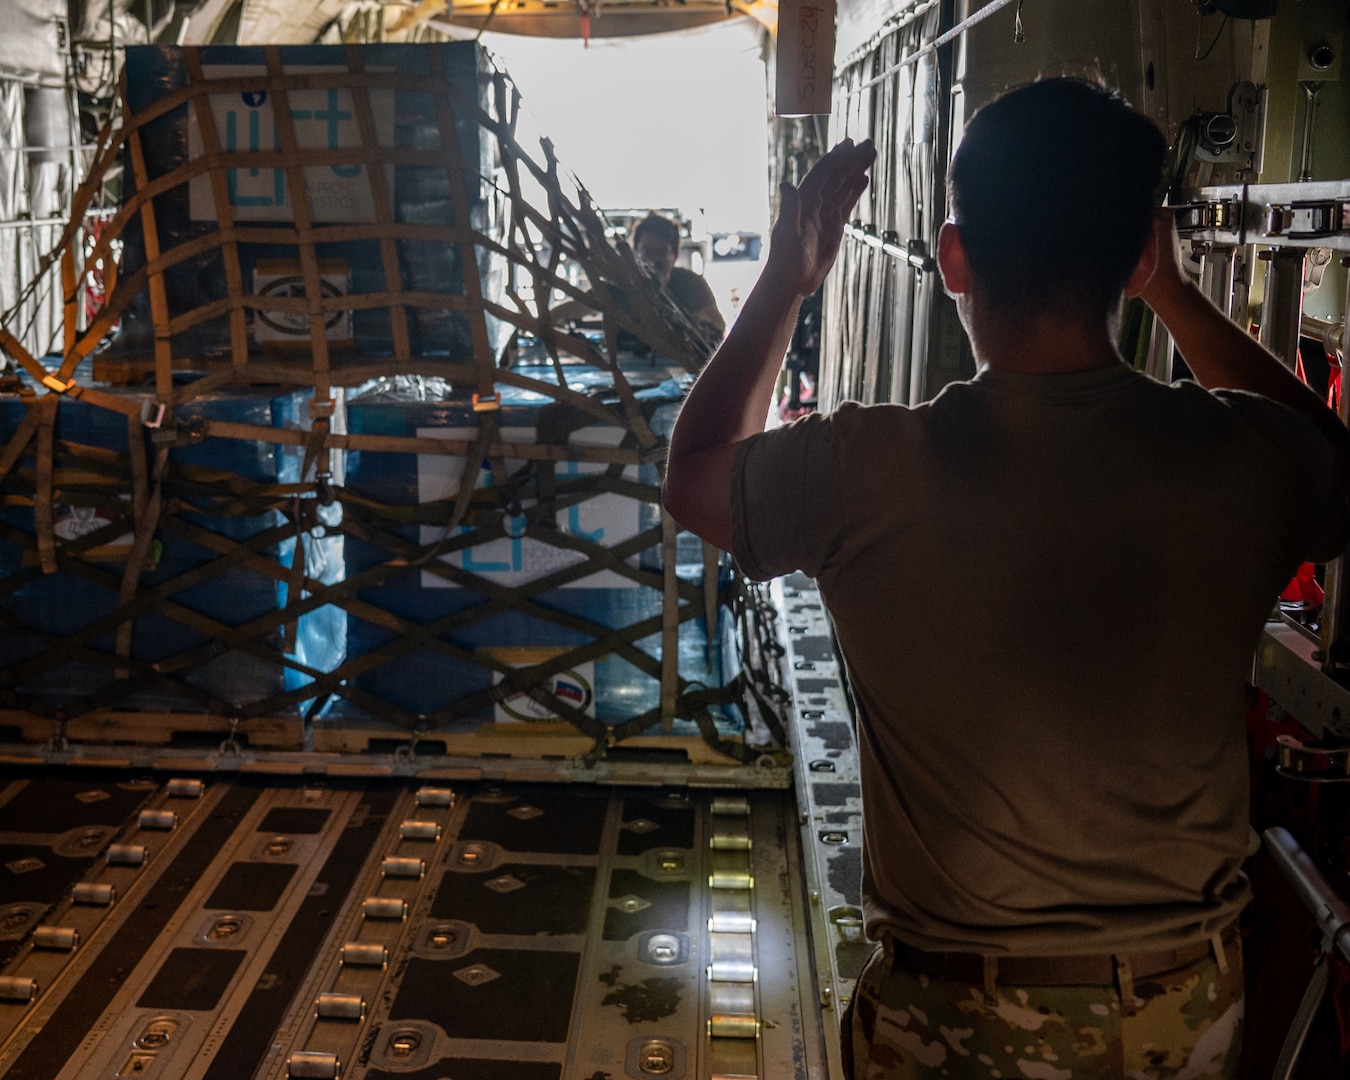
x=712 y=566
x=695 y=704
x=463 y=496
x=670 y=621
x=295 y=580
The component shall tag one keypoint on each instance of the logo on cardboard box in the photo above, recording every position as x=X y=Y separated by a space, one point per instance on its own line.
x=324 y=119
x=573 y=687
x=284 y=280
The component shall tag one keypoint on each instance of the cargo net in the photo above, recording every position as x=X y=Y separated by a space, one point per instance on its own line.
x=364 y=472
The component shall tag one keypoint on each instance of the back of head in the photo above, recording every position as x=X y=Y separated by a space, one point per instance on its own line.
x=1053 y=188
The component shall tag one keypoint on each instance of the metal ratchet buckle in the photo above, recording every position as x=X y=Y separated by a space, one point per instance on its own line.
x=1312 y=764
x=487 y=402
x=1196 y=217
x=323 y=485
x=152 y=414
x=1308 y=220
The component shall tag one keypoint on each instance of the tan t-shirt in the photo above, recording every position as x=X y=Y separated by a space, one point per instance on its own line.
x=1047 y=590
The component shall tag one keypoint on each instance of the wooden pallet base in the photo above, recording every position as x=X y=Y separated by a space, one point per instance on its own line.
x=519 y=741
x=156 y=729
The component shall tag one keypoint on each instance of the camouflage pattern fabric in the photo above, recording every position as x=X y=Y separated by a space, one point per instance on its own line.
x=1187 y=1026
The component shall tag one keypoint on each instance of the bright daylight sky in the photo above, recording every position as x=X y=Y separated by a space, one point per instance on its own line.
x=675 y=120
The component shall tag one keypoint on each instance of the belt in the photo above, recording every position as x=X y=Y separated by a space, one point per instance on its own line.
x=1101 y=970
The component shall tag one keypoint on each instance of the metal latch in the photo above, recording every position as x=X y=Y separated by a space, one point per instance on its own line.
x=152 y=413
x=487 y=402
x=1308 y=220
x=916 y=254
x=1312 y=764
x=1195 y=217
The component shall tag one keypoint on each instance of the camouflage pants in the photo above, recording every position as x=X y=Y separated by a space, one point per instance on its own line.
x=903 y=1026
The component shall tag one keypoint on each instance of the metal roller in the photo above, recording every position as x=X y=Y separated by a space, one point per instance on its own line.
x=59 y=938
x=732 y=999
x=731 y=922
x=359 y=954
x=340 y=1007
x=17 y=988
x=732 y=957
x=182 y=787
x=730 y=836
x=732 y=971
x=420 y=830
x=158 y=819
x=395 y=867
x=312 y=1064
x=732 y=912
x=127 y=854
x=384 y=907
x=733 y=1027
x=730 y=870
x=730 y=806
x=93 y=892
x=434 y=796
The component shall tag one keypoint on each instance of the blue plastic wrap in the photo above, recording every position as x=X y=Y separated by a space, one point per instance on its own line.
x=260 y=199
x=40 y=607
x=427 y=680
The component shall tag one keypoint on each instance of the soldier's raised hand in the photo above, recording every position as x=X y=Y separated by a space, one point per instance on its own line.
x=810 y=225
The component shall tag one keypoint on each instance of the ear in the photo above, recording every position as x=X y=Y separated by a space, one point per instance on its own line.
x=951 y=259
x=1143 y=269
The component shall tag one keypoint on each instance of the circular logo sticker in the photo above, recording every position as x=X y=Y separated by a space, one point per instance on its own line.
x=567 y=686
x=294 y=322
x=254 y=98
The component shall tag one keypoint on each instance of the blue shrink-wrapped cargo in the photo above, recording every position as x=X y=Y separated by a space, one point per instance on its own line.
x=427 y=679
x=59 y=640
x=338 y=194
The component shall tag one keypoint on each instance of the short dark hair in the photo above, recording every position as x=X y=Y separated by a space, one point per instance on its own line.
x=1053 y=187
x=659 y=226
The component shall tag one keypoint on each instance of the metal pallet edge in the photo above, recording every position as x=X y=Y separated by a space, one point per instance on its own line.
x=1287 y=666
x=825 y=768
x=400 y=764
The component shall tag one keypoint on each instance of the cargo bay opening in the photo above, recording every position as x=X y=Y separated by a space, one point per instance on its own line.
x=302 y=538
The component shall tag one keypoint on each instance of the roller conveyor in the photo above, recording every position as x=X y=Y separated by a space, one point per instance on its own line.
x=367 y=928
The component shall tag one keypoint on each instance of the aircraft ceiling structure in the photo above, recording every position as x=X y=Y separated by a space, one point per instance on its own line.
x=289 y=22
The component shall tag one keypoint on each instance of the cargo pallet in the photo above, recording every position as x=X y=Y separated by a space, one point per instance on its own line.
x=264 y=544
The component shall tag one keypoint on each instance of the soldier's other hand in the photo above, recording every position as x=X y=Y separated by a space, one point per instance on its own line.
x=1169 y=274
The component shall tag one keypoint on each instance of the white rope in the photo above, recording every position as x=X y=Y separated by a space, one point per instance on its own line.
x=955 y=32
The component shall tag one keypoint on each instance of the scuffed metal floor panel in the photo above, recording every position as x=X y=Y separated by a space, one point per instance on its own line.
x=367 y=928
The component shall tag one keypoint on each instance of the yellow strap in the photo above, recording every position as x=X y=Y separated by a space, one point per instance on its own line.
x=42 y=505
x=146 y=523
x=23 y=434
